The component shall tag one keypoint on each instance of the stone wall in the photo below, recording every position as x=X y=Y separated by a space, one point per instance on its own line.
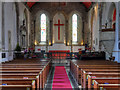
x=50 y=9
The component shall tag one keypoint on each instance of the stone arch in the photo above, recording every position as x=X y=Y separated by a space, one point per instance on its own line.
x=38 y=27
x=76 y=12
x=41 y=12
x=110 y=16
x=62 y=12
x=59 y=36
x=108 y=37
x=80 y=28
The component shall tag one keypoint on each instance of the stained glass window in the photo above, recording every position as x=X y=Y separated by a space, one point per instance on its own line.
x=43 y=27
x=74 y=28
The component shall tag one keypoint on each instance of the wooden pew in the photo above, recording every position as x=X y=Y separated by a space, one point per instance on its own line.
x=100 y=85
x=25 y=71
x=41 y=68
x=40 y=72
x=21 y=76
x=40 y=82
x=93 y=77
x=76 y=66
x=85 y=73
x=79 y=70
x=13 y=83
x=16 y=87
x=22 y=61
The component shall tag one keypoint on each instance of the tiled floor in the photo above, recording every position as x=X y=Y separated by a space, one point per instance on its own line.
x=51 y=75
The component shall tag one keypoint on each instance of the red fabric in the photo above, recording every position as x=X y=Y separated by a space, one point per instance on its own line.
x=61 y=80
x=39 y=49
x=31 y=49
x=87 y=4
x=30 y=4
x=61 y=54
x=114 y=15
x=80 y=49
x=114 y=18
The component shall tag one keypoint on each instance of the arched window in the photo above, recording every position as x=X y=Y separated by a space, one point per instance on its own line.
x=43 y=27
x=74 y=28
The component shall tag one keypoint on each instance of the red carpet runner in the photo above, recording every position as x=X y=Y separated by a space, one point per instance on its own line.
x=61 y=80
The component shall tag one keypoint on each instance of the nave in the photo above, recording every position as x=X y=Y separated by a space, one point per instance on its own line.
x=59 y=45
x=37 y=74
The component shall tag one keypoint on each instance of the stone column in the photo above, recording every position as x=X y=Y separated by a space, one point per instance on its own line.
x=3 y=30
x=0 y=31
x=66 y=32
x=116 y=50
x=51 y=31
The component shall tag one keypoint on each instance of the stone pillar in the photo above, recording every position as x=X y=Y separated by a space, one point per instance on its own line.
x=0 y=31
x=116 y=50
x=3 y=30
x=47 y=45
x=51 y=31
x=66 y=32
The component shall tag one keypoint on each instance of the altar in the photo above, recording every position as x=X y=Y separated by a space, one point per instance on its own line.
x=59 y=47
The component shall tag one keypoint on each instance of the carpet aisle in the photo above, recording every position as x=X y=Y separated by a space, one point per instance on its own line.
x=61 y=80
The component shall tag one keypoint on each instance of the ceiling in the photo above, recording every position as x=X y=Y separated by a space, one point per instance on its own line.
x=86 y=4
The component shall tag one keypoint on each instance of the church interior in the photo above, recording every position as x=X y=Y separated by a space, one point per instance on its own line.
x=59 y=45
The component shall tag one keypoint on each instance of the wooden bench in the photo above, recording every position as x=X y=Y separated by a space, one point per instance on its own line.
x=25 y=76
x=38 y=72
x=108 y=86
x=85 y=73
x=27 y=69
x=93 y=77
x=77 y=74
x=16 y=87
x=13 y=83
x=76 y=66
x=42 y=73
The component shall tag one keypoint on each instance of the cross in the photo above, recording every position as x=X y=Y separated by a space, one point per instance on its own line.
x=59 y=28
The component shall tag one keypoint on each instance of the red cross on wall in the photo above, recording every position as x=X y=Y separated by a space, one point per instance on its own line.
x=59 y=28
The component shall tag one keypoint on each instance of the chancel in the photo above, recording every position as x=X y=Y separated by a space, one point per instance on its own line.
x=59 y=45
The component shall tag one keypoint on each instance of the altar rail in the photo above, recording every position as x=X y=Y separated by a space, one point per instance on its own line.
x=62 y=55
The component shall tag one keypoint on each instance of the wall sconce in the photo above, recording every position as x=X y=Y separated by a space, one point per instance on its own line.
x=35 y=42
x=68 y=43
x=50 y=43
x=64 y=41
x=53 y=41
x=82 y=42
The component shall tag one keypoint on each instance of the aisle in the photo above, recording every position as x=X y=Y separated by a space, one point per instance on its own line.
x=61 y=80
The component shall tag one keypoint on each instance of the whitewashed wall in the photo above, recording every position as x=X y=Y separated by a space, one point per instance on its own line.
x=10 y=25
x=95 y=28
